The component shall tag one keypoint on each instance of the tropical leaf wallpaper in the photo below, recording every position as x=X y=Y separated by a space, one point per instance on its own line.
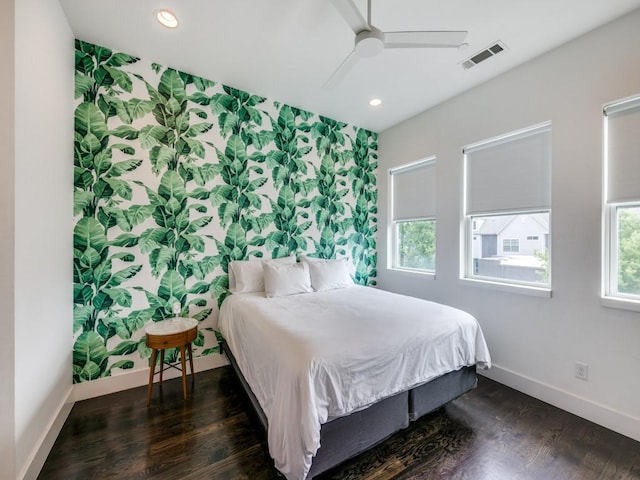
x=175 y=176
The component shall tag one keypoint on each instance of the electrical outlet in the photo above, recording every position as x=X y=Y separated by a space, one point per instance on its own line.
x=176 y=308
x=582 y=371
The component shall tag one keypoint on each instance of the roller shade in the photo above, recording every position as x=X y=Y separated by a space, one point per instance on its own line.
x=623 y=151
x=414 y=191
x=510 y=173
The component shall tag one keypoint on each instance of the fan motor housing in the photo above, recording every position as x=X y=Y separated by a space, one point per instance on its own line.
x=369 y=43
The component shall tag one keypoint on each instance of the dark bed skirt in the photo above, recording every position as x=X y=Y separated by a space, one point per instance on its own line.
x=346 y=437
x=432 y=395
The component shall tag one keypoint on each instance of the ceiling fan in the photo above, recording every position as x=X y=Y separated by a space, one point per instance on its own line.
x=370 y=41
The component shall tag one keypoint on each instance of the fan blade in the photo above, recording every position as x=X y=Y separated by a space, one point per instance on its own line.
x=351 y=15
x=337 y=76
x=423 y=39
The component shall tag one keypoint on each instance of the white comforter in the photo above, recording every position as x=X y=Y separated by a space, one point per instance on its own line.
x=315 y=356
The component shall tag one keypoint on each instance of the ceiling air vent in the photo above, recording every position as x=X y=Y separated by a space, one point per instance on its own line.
x=483 y=55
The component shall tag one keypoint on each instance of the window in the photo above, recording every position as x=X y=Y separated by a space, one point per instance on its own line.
x=511 y=245
x=413 y=223
x=416 y=244
x=507 y=209
x=627 y=253
x=622 y=203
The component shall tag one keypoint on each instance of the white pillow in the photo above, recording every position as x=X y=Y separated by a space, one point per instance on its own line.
x=282 y=279
x=248 y=276
x=250 y=273
x=305 y=258
x=350 y=268
x=329 y=274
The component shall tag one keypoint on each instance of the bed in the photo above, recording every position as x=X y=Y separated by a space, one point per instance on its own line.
x=332 y=373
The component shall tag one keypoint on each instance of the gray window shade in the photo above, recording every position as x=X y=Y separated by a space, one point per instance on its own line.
x=414 y=191
x=623 y=151
x=510 y=174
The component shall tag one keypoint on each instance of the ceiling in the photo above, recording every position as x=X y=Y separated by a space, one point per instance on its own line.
x=287 y=49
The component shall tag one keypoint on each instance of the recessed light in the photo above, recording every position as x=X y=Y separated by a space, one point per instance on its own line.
x=166 y=18
x=374 y=102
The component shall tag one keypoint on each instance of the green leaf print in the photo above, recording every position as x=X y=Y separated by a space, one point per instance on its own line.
x=175 y=176
x=89 y=356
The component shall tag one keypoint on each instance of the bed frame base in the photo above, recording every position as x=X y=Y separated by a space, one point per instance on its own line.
x=347 y=437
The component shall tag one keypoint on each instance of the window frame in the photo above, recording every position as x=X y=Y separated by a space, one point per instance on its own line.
x=467 y=275
x=393 y=252
x=610 y=296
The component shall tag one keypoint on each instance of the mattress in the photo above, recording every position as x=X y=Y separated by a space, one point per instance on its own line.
x=313 y=357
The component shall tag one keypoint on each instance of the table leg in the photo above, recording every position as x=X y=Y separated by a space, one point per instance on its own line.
x=152 y=370
x=191 y=363
x=184 y=372
x=161 y=366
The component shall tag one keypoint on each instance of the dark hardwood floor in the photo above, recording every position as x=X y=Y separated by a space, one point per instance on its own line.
x=492 y=432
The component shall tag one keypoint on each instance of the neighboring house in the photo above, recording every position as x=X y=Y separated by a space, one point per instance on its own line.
x=508 y=235
x=514 y=242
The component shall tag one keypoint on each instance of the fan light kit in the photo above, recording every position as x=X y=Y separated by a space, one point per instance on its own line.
x=370 y=41
x=166 y=18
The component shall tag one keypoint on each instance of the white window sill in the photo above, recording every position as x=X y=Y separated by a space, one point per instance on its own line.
x=424 y=273
x=543 y=292
x=621 y=303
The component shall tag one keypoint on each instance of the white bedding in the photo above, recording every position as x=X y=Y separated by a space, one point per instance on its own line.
x=315 y=356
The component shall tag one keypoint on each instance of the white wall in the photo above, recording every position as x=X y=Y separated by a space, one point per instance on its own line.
x=44 y=57
x=7 y=401
x=535 y=341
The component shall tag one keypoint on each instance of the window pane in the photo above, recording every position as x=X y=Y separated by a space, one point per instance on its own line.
x=416 y=244
x=511 y=247
x=628 y=248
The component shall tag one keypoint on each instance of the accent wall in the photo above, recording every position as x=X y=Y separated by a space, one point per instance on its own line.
x=175 y=176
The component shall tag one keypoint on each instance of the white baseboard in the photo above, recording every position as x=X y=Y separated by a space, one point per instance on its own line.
x=137 y=378
x=41 y=451
x=595 y=412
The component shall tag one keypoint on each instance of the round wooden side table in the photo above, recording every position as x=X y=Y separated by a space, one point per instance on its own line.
x=170 y=333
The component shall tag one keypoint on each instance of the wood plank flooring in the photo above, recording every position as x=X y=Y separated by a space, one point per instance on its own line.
x=492 y=433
